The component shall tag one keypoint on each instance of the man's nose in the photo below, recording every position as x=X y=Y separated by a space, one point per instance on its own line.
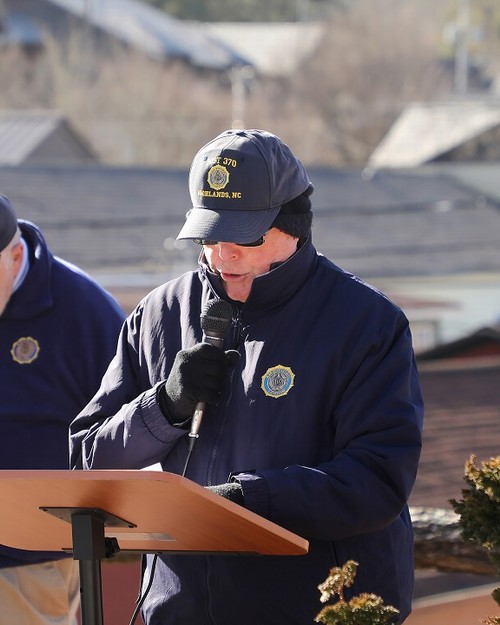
x=227 y=251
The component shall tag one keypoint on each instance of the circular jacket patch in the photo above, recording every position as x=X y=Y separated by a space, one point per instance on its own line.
x=25 y=350
x=277 y=381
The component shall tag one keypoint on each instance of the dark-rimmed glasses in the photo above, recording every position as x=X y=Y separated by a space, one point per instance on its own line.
x=256 y=243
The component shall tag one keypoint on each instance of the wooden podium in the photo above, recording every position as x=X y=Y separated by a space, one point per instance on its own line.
x=94 y=514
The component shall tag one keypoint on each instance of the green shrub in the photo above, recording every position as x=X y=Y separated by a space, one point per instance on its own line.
x=479 y=511
x=364 y=609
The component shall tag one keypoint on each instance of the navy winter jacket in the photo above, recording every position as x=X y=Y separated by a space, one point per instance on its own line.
x=321 y=421
x=57 y=335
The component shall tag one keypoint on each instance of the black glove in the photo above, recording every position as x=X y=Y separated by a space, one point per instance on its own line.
x=197 y=374
x=230 y=490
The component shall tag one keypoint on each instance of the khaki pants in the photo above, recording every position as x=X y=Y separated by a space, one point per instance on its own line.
x=40 y=594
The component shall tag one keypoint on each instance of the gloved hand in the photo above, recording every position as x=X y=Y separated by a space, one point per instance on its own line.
x=197 y=374
x=229 y=490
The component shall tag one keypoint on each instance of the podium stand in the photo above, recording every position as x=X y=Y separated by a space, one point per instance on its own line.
x=95 y=513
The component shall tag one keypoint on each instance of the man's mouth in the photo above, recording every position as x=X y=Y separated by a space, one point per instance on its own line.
x=228 y=277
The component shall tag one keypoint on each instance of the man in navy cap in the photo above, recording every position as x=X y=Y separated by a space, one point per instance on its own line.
x=316 y=426
x=58 y=332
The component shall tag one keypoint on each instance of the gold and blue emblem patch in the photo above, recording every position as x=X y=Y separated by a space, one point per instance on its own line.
x=277 y=381
x=25 y=350
x=218 y=177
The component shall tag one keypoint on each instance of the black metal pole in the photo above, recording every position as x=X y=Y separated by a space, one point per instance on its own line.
x=89 y=549
x=91 y=592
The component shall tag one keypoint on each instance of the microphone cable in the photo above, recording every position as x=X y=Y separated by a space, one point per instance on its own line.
x=142 y=595
x=140 y=599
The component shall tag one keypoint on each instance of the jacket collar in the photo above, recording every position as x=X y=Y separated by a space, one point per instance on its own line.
x=274 y=287
x=34 y=295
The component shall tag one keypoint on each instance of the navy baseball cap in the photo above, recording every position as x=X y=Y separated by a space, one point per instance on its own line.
x=8 y=222
x=238 y=183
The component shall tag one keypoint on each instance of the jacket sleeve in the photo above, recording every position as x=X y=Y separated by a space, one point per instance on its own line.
x=366 y=483
x=123 y=427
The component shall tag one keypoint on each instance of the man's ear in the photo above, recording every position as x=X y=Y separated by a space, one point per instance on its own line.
x=17 y=252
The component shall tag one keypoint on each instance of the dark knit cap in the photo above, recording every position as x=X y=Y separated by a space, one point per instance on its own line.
x=8 y=222
x=295 y=217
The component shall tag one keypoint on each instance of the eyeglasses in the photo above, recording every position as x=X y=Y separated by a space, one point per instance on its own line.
x=256 y=243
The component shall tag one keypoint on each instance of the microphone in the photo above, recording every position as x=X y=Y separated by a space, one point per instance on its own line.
x=215 y=323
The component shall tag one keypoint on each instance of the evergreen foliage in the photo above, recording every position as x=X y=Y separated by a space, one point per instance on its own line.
x=479 y=511
x=364 y=609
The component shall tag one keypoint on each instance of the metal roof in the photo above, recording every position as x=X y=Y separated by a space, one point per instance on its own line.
x=483 y=177
x=484 y=341
x=395 y=223
x=425 y=131
x=274 y=49
x=154 y=32
x=24 y=133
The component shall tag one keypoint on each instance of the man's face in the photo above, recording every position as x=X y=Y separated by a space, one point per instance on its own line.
x=238 y=265
x=10 y=262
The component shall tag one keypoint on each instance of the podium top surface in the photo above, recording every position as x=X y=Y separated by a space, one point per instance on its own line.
x=147 y=512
